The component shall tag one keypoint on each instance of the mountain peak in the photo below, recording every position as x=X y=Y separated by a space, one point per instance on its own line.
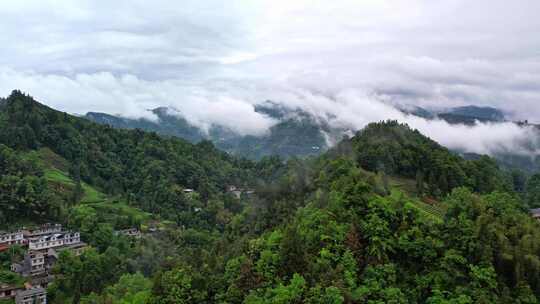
x=479 y=112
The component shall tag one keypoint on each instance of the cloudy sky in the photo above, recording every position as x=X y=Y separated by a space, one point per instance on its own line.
x=213 y=60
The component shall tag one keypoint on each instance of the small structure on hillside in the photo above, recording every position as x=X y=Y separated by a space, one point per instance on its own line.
x=131 y=232
x=11 y=238
x=32 y=265
x=42 y=280
x=34 y=295
x=535 y=213
x=8 y=291
x=42 y=230
x=44 y=246
x=190 y=193
x=56 y=239
x=237 y=192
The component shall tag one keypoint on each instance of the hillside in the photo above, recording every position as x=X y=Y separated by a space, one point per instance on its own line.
x=476 y=112
x=296 y=134
x=299 y=134
x=171 y=125
x=387 y=215
x=140 y=167
x=468 y=115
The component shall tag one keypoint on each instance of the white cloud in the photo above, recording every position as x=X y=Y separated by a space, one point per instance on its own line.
x=213 y=60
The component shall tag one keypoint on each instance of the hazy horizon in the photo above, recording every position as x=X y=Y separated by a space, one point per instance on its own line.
x=348 y=60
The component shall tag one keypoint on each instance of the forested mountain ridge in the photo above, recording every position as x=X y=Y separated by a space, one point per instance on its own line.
x=142 y=167
x=296 y=133
x=171 y=125
x=300 y=134
x=396 y=149
x=387 y=216
x=458 y=115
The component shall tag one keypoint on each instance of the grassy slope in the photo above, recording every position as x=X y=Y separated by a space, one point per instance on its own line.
x=405 y=188
x=91 y=195
x=433 y=209
x=56 y=169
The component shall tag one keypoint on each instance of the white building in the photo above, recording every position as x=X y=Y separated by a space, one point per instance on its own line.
x=44 y=242
x=32 y=265
x=72 y=238
x=32 y=296
x=36 y=260
x=10 y=238
x=43 y=230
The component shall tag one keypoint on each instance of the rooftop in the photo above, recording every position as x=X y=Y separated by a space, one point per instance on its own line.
x=4 y=286
x=31 y=292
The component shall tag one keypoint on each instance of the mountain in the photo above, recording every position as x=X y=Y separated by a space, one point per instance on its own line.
x=417 y=111
x=141 y=167
x=297 y=133
x=167 y=124
x=480 y=113
x=300 y=134
x=459 y=115
x=398 y=150
x=386 y=216
x=471 y=115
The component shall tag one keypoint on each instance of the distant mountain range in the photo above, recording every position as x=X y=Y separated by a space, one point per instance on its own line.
x=300 y=134
x=468 y=115
x=297 y=133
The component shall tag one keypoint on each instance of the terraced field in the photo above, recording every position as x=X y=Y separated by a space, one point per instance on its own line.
x=436 y=211
x=433 y=210
x=56 y=169
x=91 y=195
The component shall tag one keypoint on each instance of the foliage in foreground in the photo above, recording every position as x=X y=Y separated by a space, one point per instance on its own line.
x=328 y=230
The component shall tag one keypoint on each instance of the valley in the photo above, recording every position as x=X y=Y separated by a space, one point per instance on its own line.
x=163 y=224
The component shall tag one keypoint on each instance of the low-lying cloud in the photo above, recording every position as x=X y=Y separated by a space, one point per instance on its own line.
x=346 y=62
x=353 y=109
x=231 y=105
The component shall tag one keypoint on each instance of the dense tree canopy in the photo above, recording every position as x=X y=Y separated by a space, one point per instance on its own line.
x=140 y=166
x=396 y=149
x=388 y=216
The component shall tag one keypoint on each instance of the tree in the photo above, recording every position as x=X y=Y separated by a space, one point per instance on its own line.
x=533 y=191
x=175 y=287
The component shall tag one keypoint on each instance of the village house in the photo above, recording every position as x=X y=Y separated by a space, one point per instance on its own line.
x=11 y=238
x=535 y=213
x=44 y=246
x=35 y=295
x=43 y=230
x=40 y=262
x=131 y=232
x=57 y=239
x=237 y=192
x=32 y=265
x=8 y=291
x=190 y=193
x=42 y=280
x=75 y=248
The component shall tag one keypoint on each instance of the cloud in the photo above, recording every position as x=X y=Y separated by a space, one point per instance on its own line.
x=353 y=109
x=347 y=61
x=131 y=97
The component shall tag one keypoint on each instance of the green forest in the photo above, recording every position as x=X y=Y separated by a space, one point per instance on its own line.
x=386 y=216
